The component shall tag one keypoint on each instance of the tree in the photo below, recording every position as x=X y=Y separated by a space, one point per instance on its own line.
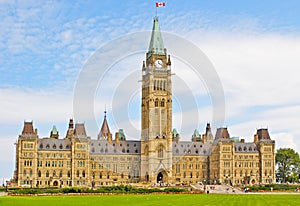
x=288 y=163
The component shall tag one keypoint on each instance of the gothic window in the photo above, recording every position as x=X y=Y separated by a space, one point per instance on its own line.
x=60 y=174
x=101 y=150
x=41 y=146
x=154 y=85
x=156 y=103
x=47 y=174
x=39 y=173
x=47 y=147
x=136 y=151
x=77 y=173
x=184 y=175
x=197 y=151
x=69 y=174
x=60 y=146
x=162 y=103
x=30 y=173
x=161 y=86
x=83 y=173
x=54 y=146
x=100 y=175
x=191 y=175
x=24 y=173
x=54 y=173
x=250 y=148
x=93 y=150
x=240 y=149
x=245 y=148
x=160 y=151
x=164 y=86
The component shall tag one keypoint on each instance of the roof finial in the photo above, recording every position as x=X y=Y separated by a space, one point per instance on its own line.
x=105 y=111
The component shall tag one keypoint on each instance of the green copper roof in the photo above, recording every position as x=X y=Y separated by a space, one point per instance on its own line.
x=156 y=41
x=121 y=135
x=196 y=133
x=174 y=132
x=54 y=130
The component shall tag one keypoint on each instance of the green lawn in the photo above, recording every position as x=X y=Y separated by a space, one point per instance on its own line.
x=155 y=199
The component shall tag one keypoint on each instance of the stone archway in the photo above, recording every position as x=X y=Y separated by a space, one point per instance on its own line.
x=160 y=177
x=55 y=183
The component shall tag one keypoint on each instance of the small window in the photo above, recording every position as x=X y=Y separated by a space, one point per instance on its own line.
x=47 y=146
x=54 y=146
x=60 y=146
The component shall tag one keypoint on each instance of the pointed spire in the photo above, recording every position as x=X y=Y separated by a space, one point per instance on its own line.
x=54 y=133
x=70 y=132
x=104 y=132
x=156 y=43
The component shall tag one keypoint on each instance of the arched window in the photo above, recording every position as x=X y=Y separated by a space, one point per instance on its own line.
x=184 y=175
x=245 y=148
x=47 y=174
x=54 y=173
x=24 y=173
x=196 y=151
x=54 y=146
x=30 y=173
x=69 y=174
x=156 y=103
x=191 y=175
x=160 y=152
x=100 y=175
x=83 y=173
x=154 y=85
x=60 y=146
x=39 y=173
x=162 y=103
x=47 y=146
x=67 y=147
x=161 y=86
x=41 y=146
x=60 y=173
x=93 y=150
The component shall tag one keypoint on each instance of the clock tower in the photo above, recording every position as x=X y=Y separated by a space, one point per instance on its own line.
x=156 y=131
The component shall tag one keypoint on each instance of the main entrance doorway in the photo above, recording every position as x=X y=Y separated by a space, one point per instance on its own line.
x=160 y=177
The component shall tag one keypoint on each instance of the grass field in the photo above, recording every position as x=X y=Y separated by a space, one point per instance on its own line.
x=155 y=199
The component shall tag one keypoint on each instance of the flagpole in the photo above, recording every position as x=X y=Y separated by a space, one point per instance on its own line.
x=155 y=11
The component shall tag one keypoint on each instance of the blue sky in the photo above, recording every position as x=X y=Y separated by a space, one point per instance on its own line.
x=253 y=45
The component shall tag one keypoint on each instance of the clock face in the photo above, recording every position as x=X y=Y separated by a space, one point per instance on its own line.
x=159 y=63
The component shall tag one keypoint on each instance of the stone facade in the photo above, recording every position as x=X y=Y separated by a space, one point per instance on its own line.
x=159 y=156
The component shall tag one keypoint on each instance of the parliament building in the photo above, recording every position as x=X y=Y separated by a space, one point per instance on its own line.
x=158 y=156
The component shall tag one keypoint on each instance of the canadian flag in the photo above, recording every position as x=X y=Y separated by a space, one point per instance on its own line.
x=160 y=4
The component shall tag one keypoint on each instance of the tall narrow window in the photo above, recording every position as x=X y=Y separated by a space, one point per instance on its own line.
x=160 y=152
x=154 y=85
x=156 y=103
